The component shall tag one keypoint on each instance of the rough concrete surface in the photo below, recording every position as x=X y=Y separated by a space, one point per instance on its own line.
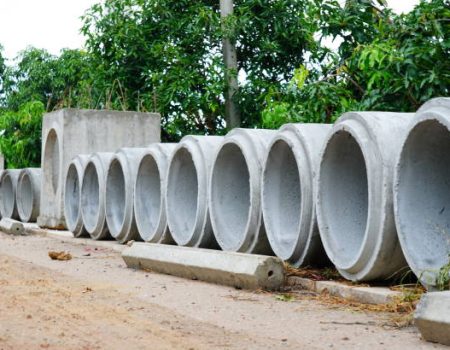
x=67 y=133
x=28 y=194
x=12 y=226
x=94 y=302
x=432 y=317
x=226 y=268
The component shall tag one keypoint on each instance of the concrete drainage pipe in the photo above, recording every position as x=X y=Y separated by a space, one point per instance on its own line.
x=28 y=194
x=422 y=191
x=149 y=194
x=119 y=197
x=186 y=193
x=235 y=191
x=72 y=195
x=288 y=201
x=354 y=202
x=8 y=186
x=93 y=190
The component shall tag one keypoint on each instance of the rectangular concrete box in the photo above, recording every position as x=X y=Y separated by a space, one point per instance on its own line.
x=432 y=317
x=69 y=132
x=227 y=268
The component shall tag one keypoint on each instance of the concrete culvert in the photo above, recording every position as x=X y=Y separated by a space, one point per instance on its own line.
x=8 y=186
x=422 y=191
x=93 y=188
x=72 y=195
x=186 y=193
x=149 y=194
x=119 y=200
x=288 y=201
x=28 y=194
x=235 y=191
x=354 y=194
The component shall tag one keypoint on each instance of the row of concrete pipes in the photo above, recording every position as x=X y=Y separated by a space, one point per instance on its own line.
x=370 y=193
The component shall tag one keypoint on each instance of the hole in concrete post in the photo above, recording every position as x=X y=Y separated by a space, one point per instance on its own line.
x=344 y=196
x=230 y=196
x=270 y=273
x=148 y=197
x=423 y=198
x=115 y=197
x=282 y=200
x=182 y=195
x=90 y=197
x=52 y=159
x=72 y=196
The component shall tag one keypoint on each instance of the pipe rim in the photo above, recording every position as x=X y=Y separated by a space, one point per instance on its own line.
x=117 y=208
x=72 y=211
x=149 y=230
x=425 y=266
x=245 y=241
x=353 y=267
x=296 y=249
x=7 y=207
x=191 y=235
x=91 y=221
x=25 y=208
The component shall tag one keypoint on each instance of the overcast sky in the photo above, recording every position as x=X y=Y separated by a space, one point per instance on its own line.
x=55 y=24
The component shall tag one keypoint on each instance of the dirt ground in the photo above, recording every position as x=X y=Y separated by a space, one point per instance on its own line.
x=94 y=302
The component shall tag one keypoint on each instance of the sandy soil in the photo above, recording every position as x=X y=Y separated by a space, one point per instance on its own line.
x=94 y=302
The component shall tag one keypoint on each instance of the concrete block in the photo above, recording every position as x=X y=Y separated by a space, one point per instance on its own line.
x=28 y=194
x=354 y=194
x=227 y=268
x=235 y=191
x=8 y=187
x=69 y=132
x=12 y=226
x=422 y=191
x=432 y=317
x=288 y=193
x=187 y=191
x=150 y=194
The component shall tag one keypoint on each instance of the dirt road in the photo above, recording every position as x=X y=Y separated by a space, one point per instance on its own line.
x=94 y=302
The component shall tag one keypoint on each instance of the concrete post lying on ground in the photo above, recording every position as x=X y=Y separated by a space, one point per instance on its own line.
x=69 y=132
x=186 y=193
x=235 y=191
x=12 y=227
x=354 y=202
x=119 y=196
x=8 y=187
x=93 y=189
x=288 y=193
x=422 y=191
x=72 y=195
x=432 y=317
x=28 y=194
x=149 y=194
x=227 y=268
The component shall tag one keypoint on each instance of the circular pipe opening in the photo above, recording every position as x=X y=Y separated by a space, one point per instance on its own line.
x=115 y=197
x=423 y=198
x=182 y=196
x=25 y=197
x=282 y=199
x=343 y=194
x=230 y=196
x=90 y=197
x=72 y=197
x=148 y=197
x=7 y=197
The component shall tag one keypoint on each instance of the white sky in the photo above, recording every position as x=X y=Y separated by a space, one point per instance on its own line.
x=55 y=24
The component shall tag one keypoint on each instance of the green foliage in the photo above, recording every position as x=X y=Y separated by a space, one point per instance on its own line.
x=385 y=62
x=20 y=131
